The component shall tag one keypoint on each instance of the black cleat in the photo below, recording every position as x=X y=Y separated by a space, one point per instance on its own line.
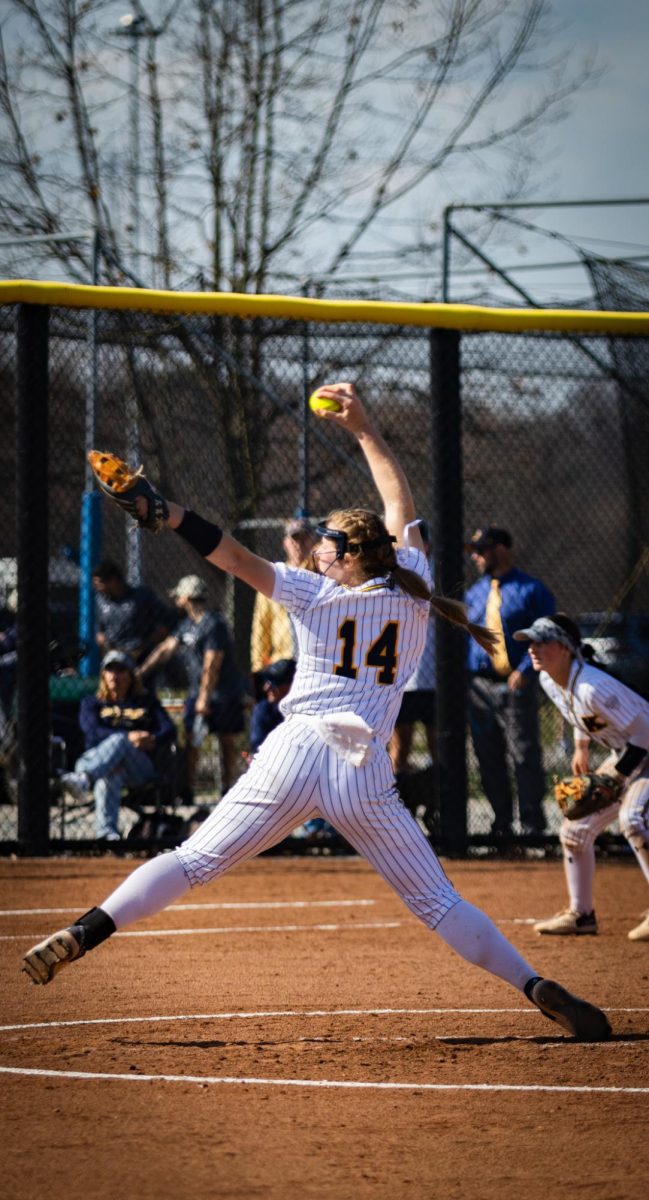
x=582 y=1020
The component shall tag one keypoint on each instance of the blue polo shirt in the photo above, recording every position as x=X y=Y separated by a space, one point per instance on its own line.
x=523 y=600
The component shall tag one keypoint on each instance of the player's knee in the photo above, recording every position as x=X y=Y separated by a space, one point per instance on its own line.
x=575 y=837
x=116 y=741
x=634 y=813
x=431 y=907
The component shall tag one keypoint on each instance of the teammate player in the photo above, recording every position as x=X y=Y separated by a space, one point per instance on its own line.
x=361 y=618
x=603 y=710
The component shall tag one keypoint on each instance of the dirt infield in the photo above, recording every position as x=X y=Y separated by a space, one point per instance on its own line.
x=296 y=1033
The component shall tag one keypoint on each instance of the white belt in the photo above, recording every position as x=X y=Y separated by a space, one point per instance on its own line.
x=348 y=734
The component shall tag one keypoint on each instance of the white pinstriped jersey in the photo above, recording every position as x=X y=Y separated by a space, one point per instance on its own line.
x=424 y=676
x=600 y=707
x=357 y=647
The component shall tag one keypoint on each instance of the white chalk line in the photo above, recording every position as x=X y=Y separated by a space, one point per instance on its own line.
x=249 y=1016
x=357 y=1084
x=230 y=905
x=219 y=929
x=290 y=1013
x=535 y=920
x=28 y=912
x=517 y=920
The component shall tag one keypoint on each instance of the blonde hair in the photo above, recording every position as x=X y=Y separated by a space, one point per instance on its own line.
x=361 y=526
x=137 y=688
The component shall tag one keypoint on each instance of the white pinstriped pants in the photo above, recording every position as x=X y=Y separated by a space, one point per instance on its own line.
x=296 y=776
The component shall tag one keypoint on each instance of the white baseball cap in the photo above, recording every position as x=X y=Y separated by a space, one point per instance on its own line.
x=191 y=586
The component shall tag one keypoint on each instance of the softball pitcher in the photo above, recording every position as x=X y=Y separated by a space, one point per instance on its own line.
x=603 y=710
x=361 y=617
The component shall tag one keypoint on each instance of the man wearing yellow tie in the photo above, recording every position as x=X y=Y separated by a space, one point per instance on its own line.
x=502 y=694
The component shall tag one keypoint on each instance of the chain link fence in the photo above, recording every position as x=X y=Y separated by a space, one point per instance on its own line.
x=216 y=410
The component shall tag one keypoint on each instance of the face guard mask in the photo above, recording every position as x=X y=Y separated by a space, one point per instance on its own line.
x=337 y=536
x=343 y=544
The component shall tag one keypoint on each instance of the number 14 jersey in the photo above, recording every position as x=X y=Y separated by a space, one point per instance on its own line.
x=358 y=646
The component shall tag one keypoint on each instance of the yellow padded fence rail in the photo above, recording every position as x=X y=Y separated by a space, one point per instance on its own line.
x=298 y=308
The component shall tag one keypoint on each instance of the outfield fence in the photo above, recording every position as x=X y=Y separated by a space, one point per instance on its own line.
x=533 y=420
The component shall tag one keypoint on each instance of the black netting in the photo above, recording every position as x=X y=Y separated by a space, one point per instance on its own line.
x=547 y=454
x=619 y=287
x=626 y=288
x=215 y=409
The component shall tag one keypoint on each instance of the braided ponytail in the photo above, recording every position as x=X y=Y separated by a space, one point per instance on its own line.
x=455 y=612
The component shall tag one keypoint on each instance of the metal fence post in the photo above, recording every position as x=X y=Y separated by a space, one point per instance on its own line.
x=32 y=532
x=90 y=549
x=304 y=484
x=448 y=538
x=91 y=513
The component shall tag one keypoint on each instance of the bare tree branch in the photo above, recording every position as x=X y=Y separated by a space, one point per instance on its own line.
x=280 y=132
x=159 y=165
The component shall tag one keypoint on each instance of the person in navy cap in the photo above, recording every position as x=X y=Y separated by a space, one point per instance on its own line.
x=266 y=716
x=503 y=692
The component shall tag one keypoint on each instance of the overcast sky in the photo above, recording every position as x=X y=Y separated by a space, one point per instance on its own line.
x=605 y=146
x=598 y=152
x=601 y=150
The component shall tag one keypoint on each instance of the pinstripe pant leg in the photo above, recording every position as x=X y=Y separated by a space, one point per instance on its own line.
x=578 y=837
x=279 y=791
x=634 y=810
x=363 y=804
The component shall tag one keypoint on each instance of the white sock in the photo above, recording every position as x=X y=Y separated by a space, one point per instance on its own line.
x=580 y=873
x=147 y=890
x=473 y=935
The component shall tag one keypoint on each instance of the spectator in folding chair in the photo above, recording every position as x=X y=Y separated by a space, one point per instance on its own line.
x=123 y=727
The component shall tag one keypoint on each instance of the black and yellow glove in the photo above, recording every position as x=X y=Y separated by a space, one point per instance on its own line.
x=125 y=486
x=580 y=795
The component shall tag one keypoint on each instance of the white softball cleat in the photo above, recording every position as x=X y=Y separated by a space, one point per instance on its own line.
x=45 y=960
x=641 y=931
x=568 y=922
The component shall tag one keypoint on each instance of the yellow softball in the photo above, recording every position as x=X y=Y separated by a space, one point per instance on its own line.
x=318 y=403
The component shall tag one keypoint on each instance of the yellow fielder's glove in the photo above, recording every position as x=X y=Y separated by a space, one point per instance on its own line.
x=123 y=485
x=580 y=795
